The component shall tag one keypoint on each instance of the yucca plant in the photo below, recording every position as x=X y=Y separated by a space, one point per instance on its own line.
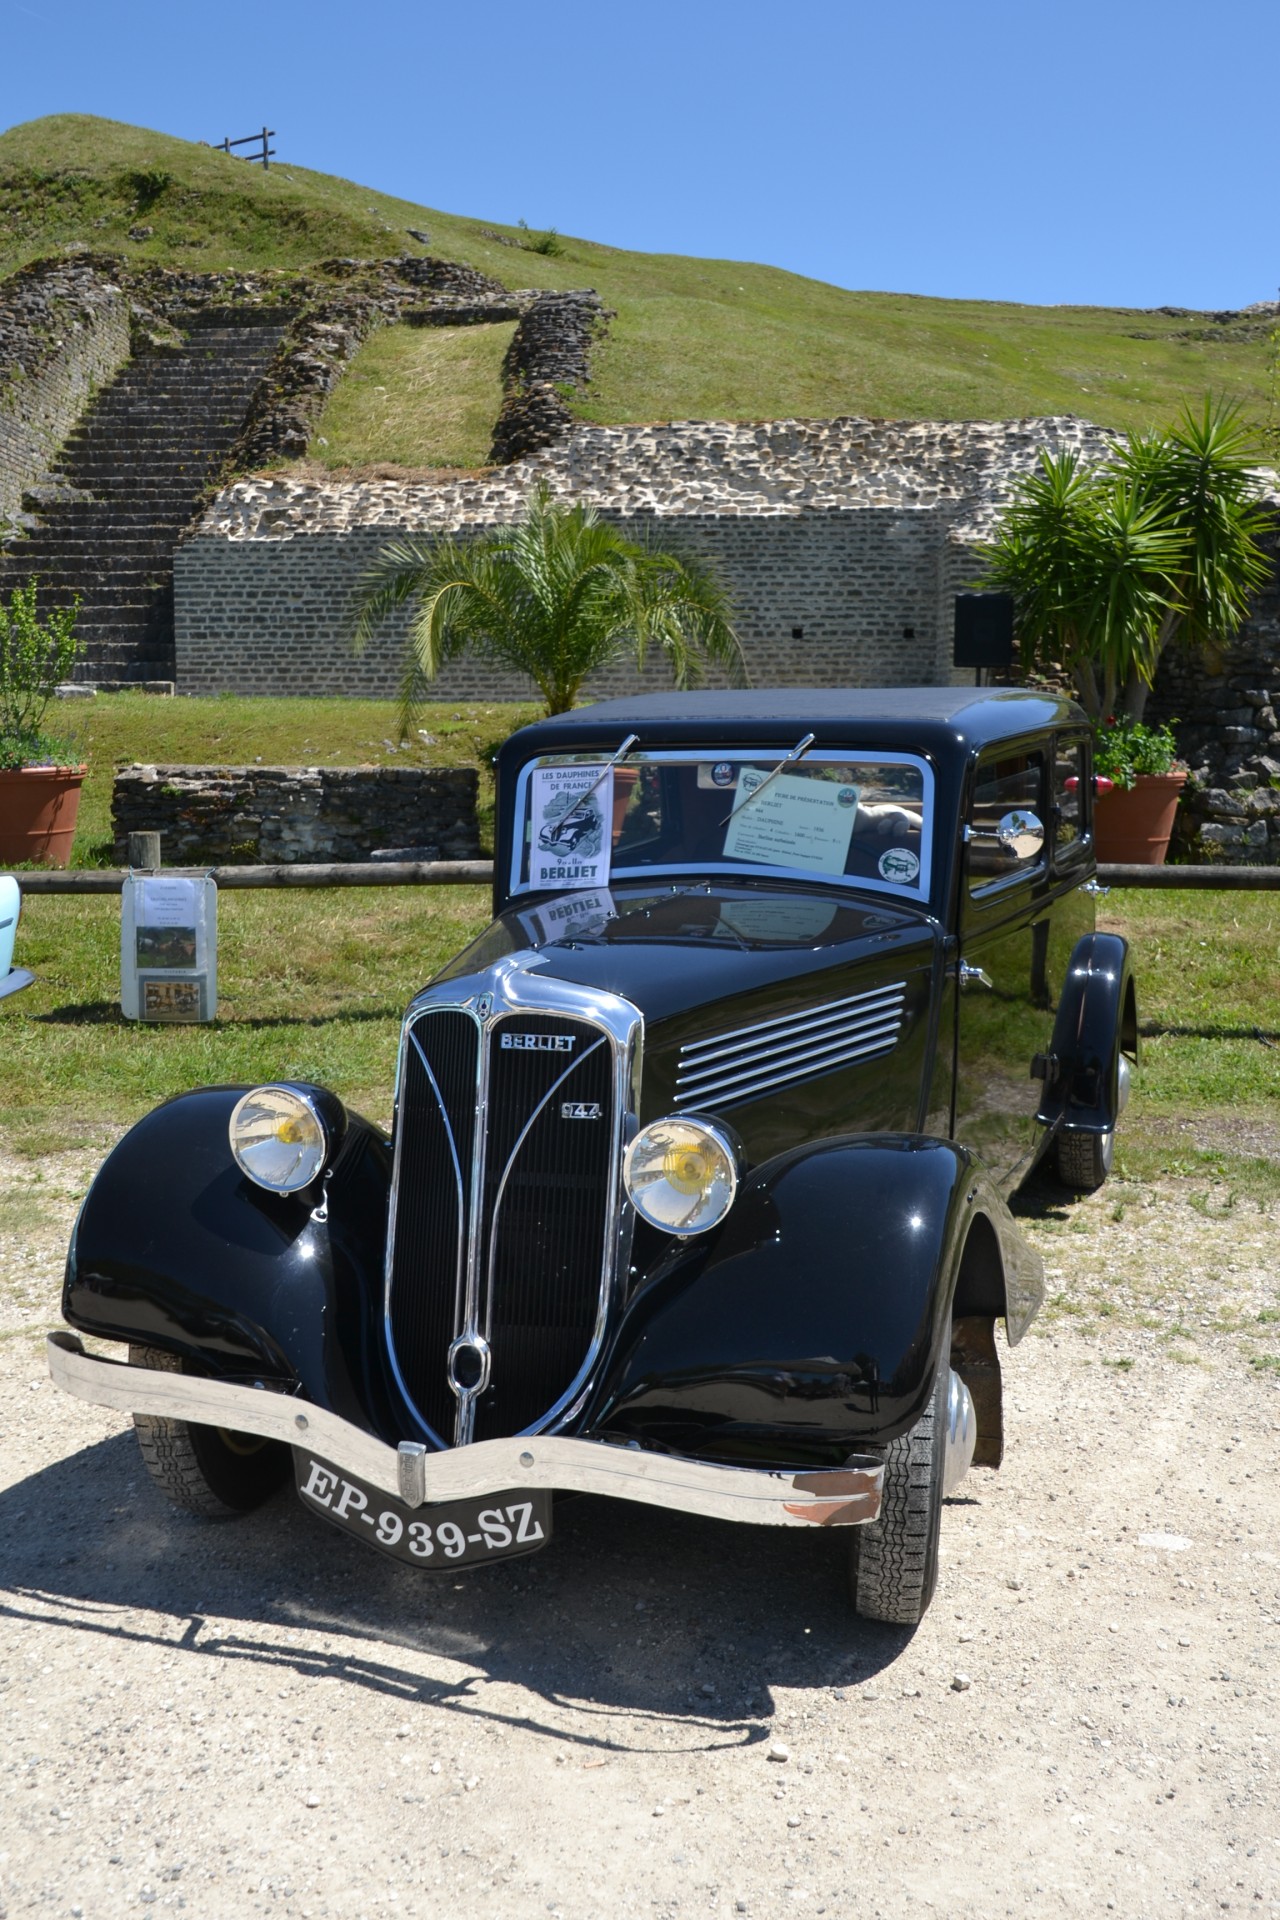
x=558 y=597
x=1111 y=565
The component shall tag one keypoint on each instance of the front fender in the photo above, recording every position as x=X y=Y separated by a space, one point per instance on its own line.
x=175 y=1248
x=812 y=1324
x=1097 y=1022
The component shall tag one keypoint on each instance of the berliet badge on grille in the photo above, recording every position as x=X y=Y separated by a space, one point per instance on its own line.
x=580 y=1110
x=540 y=1042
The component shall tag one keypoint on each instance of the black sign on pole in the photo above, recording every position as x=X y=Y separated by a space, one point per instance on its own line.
x=983 y=632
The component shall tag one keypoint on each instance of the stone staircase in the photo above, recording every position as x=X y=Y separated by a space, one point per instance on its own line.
x=128 y=481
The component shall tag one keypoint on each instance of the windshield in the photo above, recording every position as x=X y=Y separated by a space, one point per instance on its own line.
x=838 y=815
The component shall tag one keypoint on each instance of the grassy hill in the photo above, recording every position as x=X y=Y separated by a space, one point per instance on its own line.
x=692 y=338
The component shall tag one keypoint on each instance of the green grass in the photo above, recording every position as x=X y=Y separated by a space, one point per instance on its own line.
x=416 y=397
x=692 y=339
x=115 y=730
x=1208 y=964
x=312 y=985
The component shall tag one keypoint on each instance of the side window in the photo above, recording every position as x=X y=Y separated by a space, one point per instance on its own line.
x=1014 y=783
x=1072 y=814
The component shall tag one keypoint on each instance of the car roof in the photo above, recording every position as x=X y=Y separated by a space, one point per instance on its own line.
x=932 y=719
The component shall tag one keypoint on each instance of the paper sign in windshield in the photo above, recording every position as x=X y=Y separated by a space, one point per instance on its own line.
x=571 y=827
x=801 y=823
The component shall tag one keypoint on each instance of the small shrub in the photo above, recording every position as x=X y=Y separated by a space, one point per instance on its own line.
x=1124 y=748
x=35 y=657
x=147 y=184
x=548 y=243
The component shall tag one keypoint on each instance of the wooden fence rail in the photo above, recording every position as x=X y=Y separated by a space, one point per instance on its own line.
x=479 y=873
x=353 y=873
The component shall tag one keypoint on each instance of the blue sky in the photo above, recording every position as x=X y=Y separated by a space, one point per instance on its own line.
x=1117 y=152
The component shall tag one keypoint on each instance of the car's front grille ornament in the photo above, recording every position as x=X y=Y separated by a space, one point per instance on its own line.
x=504 y=1218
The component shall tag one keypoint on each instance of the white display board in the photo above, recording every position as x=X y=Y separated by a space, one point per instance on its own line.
x=169 y=947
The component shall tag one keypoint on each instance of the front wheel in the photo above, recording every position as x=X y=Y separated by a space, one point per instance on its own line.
x=205 y=1470
x=893 y=1567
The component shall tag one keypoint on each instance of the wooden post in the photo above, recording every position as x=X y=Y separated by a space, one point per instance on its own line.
x=144 y=851
x=266 y=164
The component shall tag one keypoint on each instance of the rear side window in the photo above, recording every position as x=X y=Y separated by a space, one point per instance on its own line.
x=1012 y=784
x=1072 y=822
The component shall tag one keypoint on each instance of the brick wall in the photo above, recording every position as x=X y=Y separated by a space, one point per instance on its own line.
x=273 y=615
x=63 y=332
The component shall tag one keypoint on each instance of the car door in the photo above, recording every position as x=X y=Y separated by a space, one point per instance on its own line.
x=1019 y=914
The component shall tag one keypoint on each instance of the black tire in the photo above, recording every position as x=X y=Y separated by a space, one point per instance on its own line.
x=1084 y=1159
x=893 y=1567
x=205 y=1470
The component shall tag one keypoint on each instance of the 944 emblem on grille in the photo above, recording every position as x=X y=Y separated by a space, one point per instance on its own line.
x=579 y=1109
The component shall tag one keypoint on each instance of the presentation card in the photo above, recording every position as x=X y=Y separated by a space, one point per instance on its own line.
x=802 y=823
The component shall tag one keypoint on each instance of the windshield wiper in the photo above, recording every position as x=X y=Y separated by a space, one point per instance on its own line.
x=801 y=747
x=607 y=769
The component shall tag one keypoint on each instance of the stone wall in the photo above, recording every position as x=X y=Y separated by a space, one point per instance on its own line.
x=842 y=542
x=1225 y=710
x=64 y=330
x=277 y=815
x=547 y=363
x=833 y=598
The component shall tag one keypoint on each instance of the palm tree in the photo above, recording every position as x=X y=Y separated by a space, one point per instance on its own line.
x=1110 y=566
x=558 y=597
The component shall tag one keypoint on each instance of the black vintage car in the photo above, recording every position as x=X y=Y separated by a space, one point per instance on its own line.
x=696 y=1190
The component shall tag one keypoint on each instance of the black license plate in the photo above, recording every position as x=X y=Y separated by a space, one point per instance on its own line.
x=448 y=1534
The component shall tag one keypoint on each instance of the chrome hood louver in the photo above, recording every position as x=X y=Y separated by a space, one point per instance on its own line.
x=747 y=1061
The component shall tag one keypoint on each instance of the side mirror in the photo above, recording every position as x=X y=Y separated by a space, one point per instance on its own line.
x=1020 y=833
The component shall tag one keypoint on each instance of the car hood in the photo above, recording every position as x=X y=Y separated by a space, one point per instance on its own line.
x=679 y=949
x=706 y=965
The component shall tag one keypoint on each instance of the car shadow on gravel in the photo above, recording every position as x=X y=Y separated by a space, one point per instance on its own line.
x=631 y=1612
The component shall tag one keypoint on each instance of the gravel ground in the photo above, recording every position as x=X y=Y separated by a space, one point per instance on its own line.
x=663 y=1716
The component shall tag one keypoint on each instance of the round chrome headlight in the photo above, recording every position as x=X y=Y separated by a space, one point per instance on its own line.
x=681 y=1175
x=279 y=1138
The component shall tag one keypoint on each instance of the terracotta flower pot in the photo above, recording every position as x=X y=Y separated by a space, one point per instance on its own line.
x=38 y=807
x=1131 y=826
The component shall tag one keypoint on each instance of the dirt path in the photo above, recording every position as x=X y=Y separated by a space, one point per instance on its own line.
x=264 y=1718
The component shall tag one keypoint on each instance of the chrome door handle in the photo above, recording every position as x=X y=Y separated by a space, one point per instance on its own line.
x=1098 y=892
x=974 y=976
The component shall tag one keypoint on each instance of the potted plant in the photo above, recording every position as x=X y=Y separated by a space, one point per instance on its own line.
x=40 y=773
x=1139 y=781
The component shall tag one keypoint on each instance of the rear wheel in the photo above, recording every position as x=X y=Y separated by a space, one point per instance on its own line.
x=893 y=1566
x=206 y=1470
x=1084 y=1159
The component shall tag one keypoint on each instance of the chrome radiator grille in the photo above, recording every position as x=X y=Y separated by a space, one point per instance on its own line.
x=747 y=1061
x=507 y=1137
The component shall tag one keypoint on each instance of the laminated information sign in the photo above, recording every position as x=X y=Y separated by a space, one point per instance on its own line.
x=800 y=823
x=169 y=947
x=167 y=913
x=570 y=833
